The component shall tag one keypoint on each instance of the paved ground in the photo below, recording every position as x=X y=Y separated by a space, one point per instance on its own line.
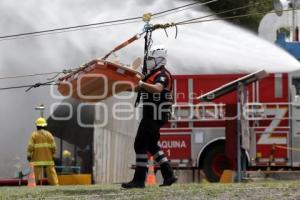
x=277 y=190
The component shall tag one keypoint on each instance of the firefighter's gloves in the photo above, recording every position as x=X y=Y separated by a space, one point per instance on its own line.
x=29 y=158
x=141 y=83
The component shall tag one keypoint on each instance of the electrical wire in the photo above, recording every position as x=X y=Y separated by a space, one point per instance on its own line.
x=197 y=19
x=67 y=28
x=158 y=14
x=188 y=5
x=28 y=75
x=219 y=13
x=135 y=21
x=186 y=22
x=94 y=25
x=183 y=9
x=64 y=71
x=230 y=17
x=67 y=31
x=29 y=86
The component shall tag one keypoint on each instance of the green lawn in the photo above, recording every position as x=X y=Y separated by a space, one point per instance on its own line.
x=276 y=190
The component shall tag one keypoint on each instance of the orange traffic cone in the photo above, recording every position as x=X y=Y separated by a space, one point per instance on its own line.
x=31 y=177
x=151 y=180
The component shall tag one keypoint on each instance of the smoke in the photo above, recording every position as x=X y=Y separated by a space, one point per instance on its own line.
x=210 y=47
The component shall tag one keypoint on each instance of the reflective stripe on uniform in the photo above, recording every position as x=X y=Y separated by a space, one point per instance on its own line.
x=150 y=79
x=141 y=164
x=142 y=156
x=42 y=145
x=159 y=153
x=38 y=163
x=163 y=160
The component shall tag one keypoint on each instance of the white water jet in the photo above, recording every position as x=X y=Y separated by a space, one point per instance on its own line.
x=210 y=47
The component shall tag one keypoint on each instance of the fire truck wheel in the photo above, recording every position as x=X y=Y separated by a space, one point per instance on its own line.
x=215 y=162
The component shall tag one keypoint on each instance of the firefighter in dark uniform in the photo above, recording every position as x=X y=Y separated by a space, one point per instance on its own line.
x=156 y=92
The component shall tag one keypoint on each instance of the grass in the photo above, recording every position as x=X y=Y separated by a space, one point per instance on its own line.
x=258 y=190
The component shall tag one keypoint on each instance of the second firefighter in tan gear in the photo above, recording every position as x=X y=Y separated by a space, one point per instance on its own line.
x=40 y=152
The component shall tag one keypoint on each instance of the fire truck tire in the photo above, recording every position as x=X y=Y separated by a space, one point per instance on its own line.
x=215 y=162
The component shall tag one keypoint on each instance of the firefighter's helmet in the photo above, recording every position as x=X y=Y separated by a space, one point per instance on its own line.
x=41 y=122
x=157 y=57
x=158 y=51
x=66 y=153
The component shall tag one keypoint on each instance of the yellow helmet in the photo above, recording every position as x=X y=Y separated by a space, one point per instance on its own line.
x=41 y=122
x=66 y=153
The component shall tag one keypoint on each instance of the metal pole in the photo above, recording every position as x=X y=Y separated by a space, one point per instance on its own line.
x=294 y=31
x=244 y=122
x=239 y=112
x=147 y=38
x=144 y=71
x=147 y=29
x=41 y=108
x=293 y=21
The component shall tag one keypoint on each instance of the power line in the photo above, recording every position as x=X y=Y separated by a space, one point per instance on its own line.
x=159 y=14
x=180 y=23
x=65 y=31
x=67 y=28
x=135 y=21
x=29 y=86
x=190 y=21
x=95 y=25
x=28 y=75
x=15 y=87
x=197 y=19
x=219 y=13
x=64 y=71
x=226 y=18
x=183 y=8
x=188 y=5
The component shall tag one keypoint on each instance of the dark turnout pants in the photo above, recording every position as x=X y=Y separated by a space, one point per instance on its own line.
x=147 y=136
x=146 y=140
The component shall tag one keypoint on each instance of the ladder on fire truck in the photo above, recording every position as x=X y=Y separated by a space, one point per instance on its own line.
x=208 y=111
x=239 y=86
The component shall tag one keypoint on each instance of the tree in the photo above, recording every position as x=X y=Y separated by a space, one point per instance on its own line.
x=250 y=22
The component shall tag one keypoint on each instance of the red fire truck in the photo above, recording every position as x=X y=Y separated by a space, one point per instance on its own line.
x=195 y=137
